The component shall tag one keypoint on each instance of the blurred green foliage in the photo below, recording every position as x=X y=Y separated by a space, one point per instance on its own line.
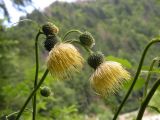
x=121 y=29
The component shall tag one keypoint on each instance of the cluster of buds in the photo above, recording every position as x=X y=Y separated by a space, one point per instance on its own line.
x=64 y=59
x=51 y=31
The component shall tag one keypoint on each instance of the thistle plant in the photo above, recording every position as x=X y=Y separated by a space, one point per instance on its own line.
x=153 y=89
x=64 y=59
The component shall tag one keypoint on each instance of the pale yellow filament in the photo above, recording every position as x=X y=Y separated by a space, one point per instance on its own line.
x=63 y=60
x=108 y=78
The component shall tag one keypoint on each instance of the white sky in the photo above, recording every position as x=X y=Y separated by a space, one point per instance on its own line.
x=39 y=4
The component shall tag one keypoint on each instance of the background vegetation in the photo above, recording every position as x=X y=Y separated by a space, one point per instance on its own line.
x=121 y=29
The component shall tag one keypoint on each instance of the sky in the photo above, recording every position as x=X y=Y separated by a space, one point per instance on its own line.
x=39 y=4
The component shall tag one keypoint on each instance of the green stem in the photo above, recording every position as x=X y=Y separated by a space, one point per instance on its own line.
x=78 y=42
x=71 y=31
x=36 y=75
x=147 y=99
x=136 y=76
x=17 y=112
x=148 y=77
x=32 y=93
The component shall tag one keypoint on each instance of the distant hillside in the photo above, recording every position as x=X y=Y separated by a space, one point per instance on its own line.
x=122 y=26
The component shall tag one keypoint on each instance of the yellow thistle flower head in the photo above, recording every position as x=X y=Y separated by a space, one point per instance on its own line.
x=63 y=60
x=108 y=78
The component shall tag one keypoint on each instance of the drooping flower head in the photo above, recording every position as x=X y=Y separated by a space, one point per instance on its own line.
x=63 y=60
x=108 y=77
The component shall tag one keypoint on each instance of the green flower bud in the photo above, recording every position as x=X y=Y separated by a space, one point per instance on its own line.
x=95 y=59
x=50 y=29
x=87 y=39
x=45 y=91
x=50 y=42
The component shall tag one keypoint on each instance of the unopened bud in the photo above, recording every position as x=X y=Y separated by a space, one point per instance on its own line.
x=50 y=29
x=45 y=91
x=87 y=39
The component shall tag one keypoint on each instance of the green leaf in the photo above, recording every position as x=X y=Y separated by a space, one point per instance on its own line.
x=124 y=62
x=139 y=84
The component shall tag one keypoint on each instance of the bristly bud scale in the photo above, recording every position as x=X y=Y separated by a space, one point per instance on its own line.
x=50 y=42
x=95 y=59
x=87 y=39
x=50 y=29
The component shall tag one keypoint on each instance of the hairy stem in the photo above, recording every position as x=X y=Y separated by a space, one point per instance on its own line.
x=147 y=99
x=36 y=75
x=148 y=77
x=85 y=47
x=32 y=94
x=136 y=76
x=69 y=32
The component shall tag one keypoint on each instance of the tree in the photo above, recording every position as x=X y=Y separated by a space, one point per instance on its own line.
x=18 y=4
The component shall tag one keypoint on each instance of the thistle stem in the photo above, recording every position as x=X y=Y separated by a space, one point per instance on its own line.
x=17 y=113
x=78 y=42
x=36 y=75
x=31 y=94
x=147 y=99
x=148 y=77
x=156 y=40
x=69 y=32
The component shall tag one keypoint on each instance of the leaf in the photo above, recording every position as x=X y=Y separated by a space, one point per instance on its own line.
x=124 y=62
x=155 y=99
x=153 y=71
x=139 y=84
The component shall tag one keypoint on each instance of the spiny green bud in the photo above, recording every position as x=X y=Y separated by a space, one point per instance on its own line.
x=50 y=29
x=95 y=59
x=50 y=42
x=87 y=39
x=45 y=91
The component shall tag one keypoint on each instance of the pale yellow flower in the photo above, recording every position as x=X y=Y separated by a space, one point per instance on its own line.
x=63 y=60
x=108 y=78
